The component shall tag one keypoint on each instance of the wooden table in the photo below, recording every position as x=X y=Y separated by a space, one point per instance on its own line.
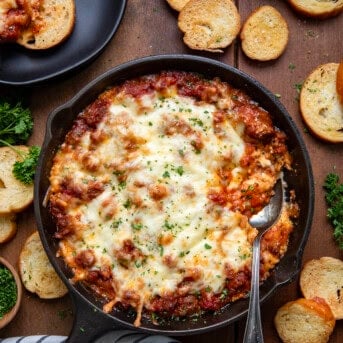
x=150 y=28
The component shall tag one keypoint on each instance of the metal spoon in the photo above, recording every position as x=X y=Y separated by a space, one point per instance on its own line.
x=262 y=221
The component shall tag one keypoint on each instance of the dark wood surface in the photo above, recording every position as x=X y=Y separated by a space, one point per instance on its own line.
x=150 y=28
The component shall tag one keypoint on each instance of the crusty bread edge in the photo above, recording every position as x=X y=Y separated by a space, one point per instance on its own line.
x=242 y=36
x=219 y=49
x=339 y=82
x=317 y=134
x=172 y=5
x=324 y=15
x=316 y=305
x=301 y=283
x=58 y=42
x=12 y=220
x=21 y=271
x=27 y=203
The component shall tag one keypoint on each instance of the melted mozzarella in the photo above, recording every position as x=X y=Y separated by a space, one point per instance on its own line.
x=181 y=232
x=6 y=5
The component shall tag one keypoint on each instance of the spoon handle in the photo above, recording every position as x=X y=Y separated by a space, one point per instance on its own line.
x=253 y=329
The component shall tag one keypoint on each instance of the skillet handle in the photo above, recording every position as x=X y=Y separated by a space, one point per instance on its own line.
x=93 y=326
x=89 y=323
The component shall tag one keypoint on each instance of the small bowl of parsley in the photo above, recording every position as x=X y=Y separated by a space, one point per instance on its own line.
x=10 y=292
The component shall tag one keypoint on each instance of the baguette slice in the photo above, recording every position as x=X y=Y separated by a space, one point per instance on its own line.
x=53 y=23
x=36 y=272
x=339 y=82
x=324 y=278
x=319 y=104
x=8 y=227
x=304 y=321
x=209 y=25
x=264 y=35
x=14 y=195
x=177 y=5
x=317 y=8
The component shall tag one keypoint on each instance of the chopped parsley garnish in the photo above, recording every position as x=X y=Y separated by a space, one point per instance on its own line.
x=207 y=246
x=116 y=223
x=122 y=185
x=137 y=226
x=8 y=291
x=127 y=204
x=197 y=121
x=334 y=200
x=180 y=170
x=224 y=294
x=291 y=66
x=166 y=174
x=298 y=87
x=167 y=225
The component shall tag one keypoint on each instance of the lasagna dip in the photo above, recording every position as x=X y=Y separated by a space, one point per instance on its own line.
x=152 y=190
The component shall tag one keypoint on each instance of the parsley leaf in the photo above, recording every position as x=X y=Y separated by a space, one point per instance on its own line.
x=24 y=170
x=334 y=200
x=16 y=124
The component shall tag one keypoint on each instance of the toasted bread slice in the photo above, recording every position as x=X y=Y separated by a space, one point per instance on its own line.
x=264 y=35
x=177 y=5
x=304 y=321
x=36 y=271
x=319 y=104
x=317 y=9
x=53 y=23
x=209 y=25
x=8 y=227
x=339 y=82
x=324 y=278
x=14 y=195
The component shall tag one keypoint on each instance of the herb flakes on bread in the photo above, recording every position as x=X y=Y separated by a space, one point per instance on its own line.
x=209 y=25
x=319 y=104
x=324 y=278
x=304 y=321
x=36 y=271
x=320 y=9
x=53 y=23
x=264 y=35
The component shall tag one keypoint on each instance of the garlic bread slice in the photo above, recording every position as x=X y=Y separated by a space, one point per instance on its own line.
x=15 y=196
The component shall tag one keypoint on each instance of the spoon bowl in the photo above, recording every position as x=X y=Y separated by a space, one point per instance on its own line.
x=263 y=221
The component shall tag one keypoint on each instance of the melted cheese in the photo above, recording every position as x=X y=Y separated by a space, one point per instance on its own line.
x=199 y=237
x=183 y=226
x=157 y=159
x=6 y=5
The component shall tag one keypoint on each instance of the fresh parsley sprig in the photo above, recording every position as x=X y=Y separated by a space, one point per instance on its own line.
x=334 y=199
x=24 y=170
x=16 y=126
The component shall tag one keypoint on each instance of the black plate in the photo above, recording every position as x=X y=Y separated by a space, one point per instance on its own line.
x=96 y=23
x=88 y=308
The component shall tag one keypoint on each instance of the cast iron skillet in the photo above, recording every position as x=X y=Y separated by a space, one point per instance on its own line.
x=90 y=321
